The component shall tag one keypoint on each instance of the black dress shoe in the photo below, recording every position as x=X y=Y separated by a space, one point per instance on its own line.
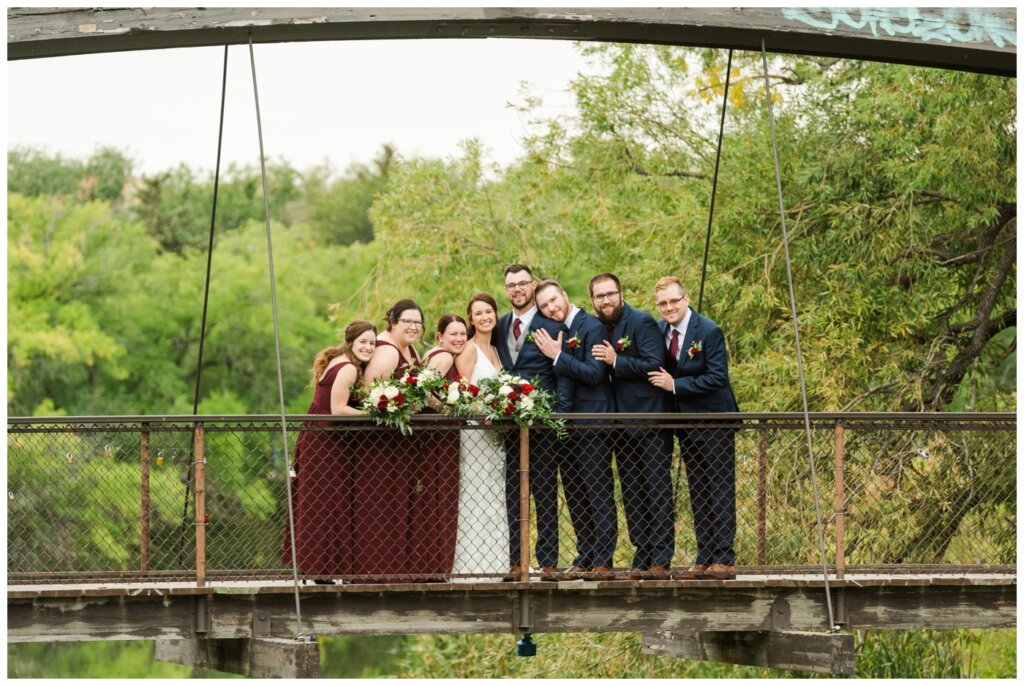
x=323 y=582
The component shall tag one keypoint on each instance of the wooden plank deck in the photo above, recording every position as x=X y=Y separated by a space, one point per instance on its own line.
x=247 y=609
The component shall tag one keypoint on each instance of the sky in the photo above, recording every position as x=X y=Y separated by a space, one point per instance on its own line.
x=335 y=102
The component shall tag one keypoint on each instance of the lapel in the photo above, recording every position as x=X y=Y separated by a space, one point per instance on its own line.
x=694 y=333
x=620 y=326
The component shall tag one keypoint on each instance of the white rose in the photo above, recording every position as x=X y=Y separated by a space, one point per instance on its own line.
x=375 y=396
x=505 y=390
x=453 y=394
x=526 y=403
x=390 y=392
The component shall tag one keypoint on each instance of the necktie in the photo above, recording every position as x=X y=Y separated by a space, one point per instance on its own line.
x=673 y=347
x=517 y=327
x=611 y=332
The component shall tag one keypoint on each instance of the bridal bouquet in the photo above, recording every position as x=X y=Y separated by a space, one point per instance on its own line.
x=512 y=397
x=460 y=398
x=392 y=402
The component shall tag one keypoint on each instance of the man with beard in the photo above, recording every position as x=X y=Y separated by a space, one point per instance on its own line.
x=520 y=356
x=633 y=350
x=584 y=459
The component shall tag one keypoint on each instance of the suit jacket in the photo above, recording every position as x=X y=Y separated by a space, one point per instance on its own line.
x=645 y=353
x=532 y=363
x=701 y=380
x=590 y=383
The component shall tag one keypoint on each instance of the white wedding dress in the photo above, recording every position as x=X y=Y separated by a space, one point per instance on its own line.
x=482 y=541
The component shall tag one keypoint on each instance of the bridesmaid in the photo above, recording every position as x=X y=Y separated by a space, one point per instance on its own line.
x=435 y=511
x=322 y=493
x=384 y=469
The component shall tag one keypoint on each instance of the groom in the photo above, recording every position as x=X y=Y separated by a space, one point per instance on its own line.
x=522 y=357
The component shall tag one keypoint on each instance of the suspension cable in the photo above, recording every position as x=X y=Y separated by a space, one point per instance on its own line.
x=796 y=333
x=206 y=301
x=714 y=183
x=277 y=350
x=707 y=237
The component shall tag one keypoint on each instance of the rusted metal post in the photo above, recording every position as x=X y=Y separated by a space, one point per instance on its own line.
x=200 y=473
x=840 y=504
x=144 y=499
x=762 y=490
x=524 y=504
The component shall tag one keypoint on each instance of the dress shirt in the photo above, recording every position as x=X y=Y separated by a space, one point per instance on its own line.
x=681 y=328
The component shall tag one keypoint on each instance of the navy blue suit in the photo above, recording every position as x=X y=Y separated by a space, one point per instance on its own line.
x=533 y=364
x=702 y=385
x=641 y=456
x=585 y=457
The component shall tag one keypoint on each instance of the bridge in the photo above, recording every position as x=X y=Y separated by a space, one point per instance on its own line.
x=171 y=529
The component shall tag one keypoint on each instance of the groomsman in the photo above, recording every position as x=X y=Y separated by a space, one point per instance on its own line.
x=633 y=350
x=584 y=459
x=696 y=377
x=523 y=358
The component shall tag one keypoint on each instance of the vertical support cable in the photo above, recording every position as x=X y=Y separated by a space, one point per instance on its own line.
x=206 y=287
x=796 y=334
x=714 y=183
x=199 y=449
x=277 y=348
x=144 y=501
x=840 y=504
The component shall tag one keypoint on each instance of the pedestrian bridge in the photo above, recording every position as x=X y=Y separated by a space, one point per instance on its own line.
x=171 y=529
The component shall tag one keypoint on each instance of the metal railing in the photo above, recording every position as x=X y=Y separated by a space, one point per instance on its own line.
x=204 y=498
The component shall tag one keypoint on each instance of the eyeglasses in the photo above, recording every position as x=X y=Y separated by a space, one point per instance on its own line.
x=662 y=304
x=519 y=284
x=415 y=323
x=605 y=296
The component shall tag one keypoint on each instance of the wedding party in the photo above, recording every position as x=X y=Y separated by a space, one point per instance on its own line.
x=443 y=504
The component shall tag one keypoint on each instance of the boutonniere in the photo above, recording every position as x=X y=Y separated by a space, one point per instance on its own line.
x=622 y=343
x=695 y=348
x=529 y=337
x=573 y=342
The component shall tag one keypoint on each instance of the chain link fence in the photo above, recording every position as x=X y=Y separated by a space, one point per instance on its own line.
x=147 y=498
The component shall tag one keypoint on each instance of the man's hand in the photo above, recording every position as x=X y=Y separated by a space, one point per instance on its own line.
x=661 y=379
x=548 y=345
x=605 y=352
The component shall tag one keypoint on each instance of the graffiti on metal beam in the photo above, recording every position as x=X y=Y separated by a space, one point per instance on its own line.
x=949 y=25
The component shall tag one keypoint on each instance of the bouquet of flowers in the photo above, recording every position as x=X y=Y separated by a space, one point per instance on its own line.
x=392 y=401
x=513 y=397
x=460 y=398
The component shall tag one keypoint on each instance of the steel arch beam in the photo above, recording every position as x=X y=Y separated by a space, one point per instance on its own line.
x=970 y=39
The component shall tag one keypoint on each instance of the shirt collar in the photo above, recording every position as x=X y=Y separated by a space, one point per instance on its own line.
x=573 y=310
x=525 y=317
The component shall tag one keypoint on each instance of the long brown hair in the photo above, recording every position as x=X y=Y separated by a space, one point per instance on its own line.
x=480 y=297
x=353 y=331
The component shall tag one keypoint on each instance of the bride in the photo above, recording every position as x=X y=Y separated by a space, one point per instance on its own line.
x=481 y=544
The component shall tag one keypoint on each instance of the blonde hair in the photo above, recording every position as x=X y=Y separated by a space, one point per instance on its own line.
x=353 y=331
x=666 y=281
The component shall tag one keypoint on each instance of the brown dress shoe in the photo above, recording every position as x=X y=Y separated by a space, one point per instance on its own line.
x=549 y=573
x=691 y=574
x=631 y=574
x=513 y=574
x=573 y=572
x=601 y=573
x=720 y=572
x=658 y=573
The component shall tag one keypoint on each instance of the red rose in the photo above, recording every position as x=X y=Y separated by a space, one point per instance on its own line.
x=618 y=346
x=457 y=377
x=510 y=408
x=399 y=399
x=382 y=404
x=411 y=380
x=514 y=396
x=694 y=350
x=528 y=388
x=474 y=390
x=573 y=343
